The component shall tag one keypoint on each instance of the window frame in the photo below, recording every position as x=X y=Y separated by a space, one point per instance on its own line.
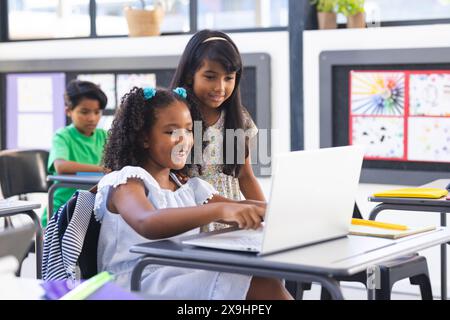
x=193 y=24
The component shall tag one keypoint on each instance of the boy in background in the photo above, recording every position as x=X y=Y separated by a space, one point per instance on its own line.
x=78 y=146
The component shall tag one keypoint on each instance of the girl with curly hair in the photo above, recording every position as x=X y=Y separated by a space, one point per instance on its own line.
x=142 y=199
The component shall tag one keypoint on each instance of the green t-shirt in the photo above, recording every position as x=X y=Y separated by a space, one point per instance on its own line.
x=71 y=145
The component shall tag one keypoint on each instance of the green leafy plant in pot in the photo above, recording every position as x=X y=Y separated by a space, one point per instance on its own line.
x=354 y=11
x=144 y=21
x=326 y=13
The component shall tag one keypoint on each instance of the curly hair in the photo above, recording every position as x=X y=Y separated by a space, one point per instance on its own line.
x=132 y=121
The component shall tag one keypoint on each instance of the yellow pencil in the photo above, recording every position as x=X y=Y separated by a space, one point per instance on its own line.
x=376 y=224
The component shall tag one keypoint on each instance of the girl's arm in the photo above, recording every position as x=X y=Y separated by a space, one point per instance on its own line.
x=248 y=184
x=67 y=167
x=130 y=201
x=218 y=198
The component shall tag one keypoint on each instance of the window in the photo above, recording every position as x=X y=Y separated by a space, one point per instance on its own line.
x=111 y=17
x=404 y=10
x=238 y=14
x=115 y=86
x=53 y=19
x=30 y=19
x=35 y=109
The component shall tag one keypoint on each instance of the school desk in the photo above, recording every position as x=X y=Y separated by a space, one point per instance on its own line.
x=320 y=262
x=441 y=206
x=15 y=207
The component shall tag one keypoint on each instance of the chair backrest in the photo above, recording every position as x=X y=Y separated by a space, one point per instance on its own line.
x=23 y=171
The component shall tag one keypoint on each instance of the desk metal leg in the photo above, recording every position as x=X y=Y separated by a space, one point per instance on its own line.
x=38 y=242
x=380 y=207
x=377 y=209
x=51 y=192
x=373 y=282
x=136 y=275
x=330 y=284
x=444 y=261
x=332 y=287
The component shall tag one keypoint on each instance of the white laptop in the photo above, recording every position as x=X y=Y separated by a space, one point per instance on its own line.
x=312 y=200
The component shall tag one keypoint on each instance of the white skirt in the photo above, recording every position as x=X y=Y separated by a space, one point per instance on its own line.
x=192 y=284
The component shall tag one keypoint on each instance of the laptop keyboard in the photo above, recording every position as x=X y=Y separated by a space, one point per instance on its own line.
x=244 y=238
x=250 y=240
x=240 y=240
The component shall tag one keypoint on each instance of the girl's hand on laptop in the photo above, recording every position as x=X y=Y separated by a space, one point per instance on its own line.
x=218 y=198
x=261 y=204
x=246 y=216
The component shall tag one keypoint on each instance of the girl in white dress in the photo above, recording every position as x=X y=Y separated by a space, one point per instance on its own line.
x=141 y=199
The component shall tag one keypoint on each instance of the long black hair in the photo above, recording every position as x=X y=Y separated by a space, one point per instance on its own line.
x=132 y=121
x=227 y=54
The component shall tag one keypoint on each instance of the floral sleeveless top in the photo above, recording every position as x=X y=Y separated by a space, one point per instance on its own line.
x=212 y=164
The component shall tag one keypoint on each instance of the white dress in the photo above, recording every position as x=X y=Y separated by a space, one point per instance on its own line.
x=116 y=238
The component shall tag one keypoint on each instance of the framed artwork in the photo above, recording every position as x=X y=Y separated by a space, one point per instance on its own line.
x=401 y=115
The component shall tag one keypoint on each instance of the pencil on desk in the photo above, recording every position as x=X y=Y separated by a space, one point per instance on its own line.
x=377 y=224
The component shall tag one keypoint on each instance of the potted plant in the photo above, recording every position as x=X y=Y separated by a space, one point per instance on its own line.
x=144 y=21
x=326 y=13
x=354 y=11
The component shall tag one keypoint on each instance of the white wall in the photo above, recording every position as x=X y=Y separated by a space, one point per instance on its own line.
x=372 y=38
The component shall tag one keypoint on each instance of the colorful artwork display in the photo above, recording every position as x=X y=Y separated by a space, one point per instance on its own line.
x=383 y=137
x=429 y=94
x=429 y=138
x=401 y=115
x=378 y=93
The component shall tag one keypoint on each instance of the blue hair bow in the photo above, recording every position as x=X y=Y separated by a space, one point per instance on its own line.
x=181 y=92
x=149 y=93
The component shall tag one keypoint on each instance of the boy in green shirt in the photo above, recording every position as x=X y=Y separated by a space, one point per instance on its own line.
x=79 y=146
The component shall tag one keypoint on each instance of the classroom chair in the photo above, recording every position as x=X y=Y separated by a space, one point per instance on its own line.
x=23 y=172
x=413 y=267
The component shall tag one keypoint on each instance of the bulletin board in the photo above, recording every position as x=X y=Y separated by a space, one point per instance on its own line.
x=396 y=102
x=401 y=115
x=117 y=76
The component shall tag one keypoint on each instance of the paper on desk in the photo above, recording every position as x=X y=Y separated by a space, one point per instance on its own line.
x=386 y=233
